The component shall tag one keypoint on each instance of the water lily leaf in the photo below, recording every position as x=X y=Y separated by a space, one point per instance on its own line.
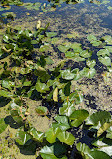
x=3 y=125
x=90 y=63
x=36 y=135
x=76 y=74
x=109 y=48
x=7 y=84
x=47 y=152
x=22 y=138
x=44 y=48
x=96 y=43
x=85 y=54
x=66 y=137
x=55 y=94
x=76 y=96
x=105 y=60
x=51 y=134
x=42 y=87
x=109 y=133
x=103 y=128
x=41 y=110
x=103 y=52
x=62 y=122
x=27 y=83
x=99 y=155
x=63 y=48
x=69 y=54
x=51 y=34
x=108 y=39
x=91 y=37
x=5 y=93
x=67 y=109
x=91 y=154
x=49 y=61
x=66 y=74
x=42 y=74
x=78 y=116
x=88 y=72
x=76 y=47
x=98 y=119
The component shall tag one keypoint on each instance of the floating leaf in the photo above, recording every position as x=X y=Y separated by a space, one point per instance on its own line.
x=91 y=37
x=5 y=93
x=22 y=138
x=76 y=96
x=85 y=54
x=63 y=48
x=62 y=122
x=91 y=154
x=98 y=119
x=88 y=72
x=42 y=87
x=47 y=152
x=41 y=110
x=66 y=137
x=51 y=34
x=3 y=125
x=105 y=60
x=67 y=109
x=66 y=74
x=103 y=128
x=7 y=84
x=90 y=63
x=51 y=134
x=78 y=116
x=36 y=135
x=103 y=52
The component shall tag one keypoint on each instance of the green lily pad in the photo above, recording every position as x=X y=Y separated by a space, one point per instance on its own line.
x=78 y=116
x=42 y=87
x=66 y=137
x=36 y=135
x=51 y=134
x=22 y=138
x=3 y=125
x=66 y=74
x=51 y=34
x=41 y=110
x=105 y=60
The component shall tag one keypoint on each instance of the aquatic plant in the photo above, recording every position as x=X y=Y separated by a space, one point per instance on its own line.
x=24 y=73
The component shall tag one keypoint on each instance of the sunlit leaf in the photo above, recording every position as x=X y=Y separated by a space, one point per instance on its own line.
x=22 y=138
x=51 y=134
x=41 y=110
x=78 y=116
x=36 y=135
x=3 y=125
x=66 y=137
x=66 y=74
x=98 y=119
x=105 y=60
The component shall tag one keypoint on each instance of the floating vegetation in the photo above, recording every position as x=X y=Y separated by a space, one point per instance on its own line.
x=29 y=70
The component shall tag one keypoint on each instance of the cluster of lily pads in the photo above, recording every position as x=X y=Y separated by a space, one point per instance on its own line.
x=24 y=73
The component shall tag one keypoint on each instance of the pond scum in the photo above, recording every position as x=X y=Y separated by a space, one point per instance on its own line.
x=54 y=87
